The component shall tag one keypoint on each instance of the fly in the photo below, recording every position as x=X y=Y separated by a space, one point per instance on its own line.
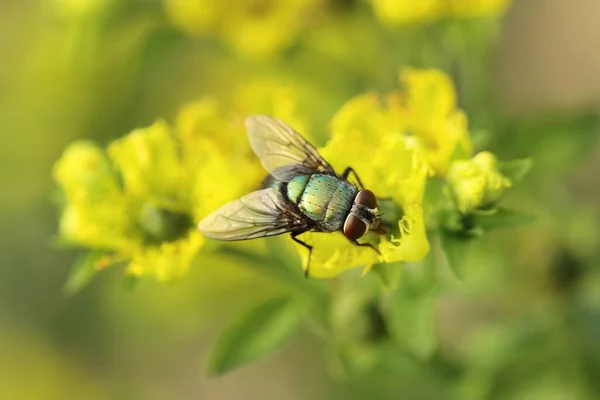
x=303 y=193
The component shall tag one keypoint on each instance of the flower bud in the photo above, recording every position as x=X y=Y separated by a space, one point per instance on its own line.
x=476 y=183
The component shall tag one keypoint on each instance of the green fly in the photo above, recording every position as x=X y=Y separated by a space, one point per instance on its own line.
x=303 y=193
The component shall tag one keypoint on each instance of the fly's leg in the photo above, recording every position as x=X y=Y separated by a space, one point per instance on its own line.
x=308 y=246
x=366 y=244
x=346 y=173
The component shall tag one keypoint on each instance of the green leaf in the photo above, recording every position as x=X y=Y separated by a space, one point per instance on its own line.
x=411 y=321
x=456 y=249
x=515 y=170
x=261 y=331
x=131 y=282
x=503 y=218
x=557 y=141
x=283 y=265
x=389 y=273
x=82 y=273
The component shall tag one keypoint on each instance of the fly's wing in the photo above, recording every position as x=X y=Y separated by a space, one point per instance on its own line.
x=258 y=214
x=277 y=145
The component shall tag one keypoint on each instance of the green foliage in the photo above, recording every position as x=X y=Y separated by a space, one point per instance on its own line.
x=502 y=218
x=515 y=170
x=261 y=331
x=557 y=142
x=82 y=272
x=411 y=320
x=523 y=323
x=456 y=248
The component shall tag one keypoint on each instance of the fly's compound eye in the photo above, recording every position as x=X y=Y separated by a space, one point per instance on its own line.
x=366 y=198
x=354 y=228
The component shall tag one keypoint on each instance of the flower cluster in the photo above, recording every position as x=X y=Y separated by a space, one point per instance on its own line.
x=254 y=28
x=408 y=12
x=395 y=145
x=141 y=199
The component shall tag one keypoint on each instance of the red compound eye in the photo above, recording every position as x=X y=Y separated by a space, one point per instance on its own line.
x=366 y=198
x=354 y=228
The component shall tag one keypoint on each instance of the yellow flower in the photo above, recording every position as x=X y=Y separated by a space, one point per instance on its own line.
x=150 y=165
x=477 y=8
x=431 y=115
x=167 y=260
x=216 y=145
x=476 y=183
x=271 y=98
x=262 y=27
x=142 y=201
x=157 y=185
x=393 y=148
x=411 y=12
x=407 y=12
x=92 y=193
x=196 y=17
x=252 y=27
x=85 y=173
x=368 y=137
x=146 y=218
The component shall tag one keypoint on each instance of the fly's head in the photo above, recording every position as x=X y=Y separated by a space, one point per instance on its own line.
x=364 y=216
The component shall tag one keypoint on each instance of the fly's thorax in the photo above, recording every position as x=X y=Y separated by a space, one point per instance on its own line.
x=363 y=215
x=295 y=188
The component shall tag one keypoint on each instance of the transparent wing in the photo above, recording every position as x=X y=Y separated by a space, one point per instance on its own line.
x=278 y=145
x=258 y=214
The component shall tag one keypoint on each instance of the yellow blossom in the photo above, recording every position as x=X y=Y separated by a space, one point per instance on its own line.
x=150 y=165
x=85 y=173
x=92 y=193
x=477 y=8
x=141 y=202
x=254 y=27
x=410 y=12
x=368 y=138
x=431 y=115
x=271 y=98
x=195 y=16
x=477 y=182
x=407 y=12
x=393 y=147
x=167 y=260
x=144 y=217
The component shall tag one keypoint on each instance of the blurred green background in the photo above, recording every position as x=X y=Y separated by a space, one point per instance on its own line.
x=524 y=325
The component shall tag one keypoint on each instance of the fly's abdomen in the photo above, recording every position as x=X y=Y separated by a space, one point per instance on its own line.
x=340 y=205
x=317 y=195
x=327 y=199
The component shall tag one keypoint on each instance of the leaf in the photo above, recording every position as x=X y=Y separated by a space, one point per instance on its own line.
x=557 y=141
x=283 y=265
x=456 y=248
x=411 y=321
x=389 y=273
x=515 y=170
x=503 y=218
x=82 y=273
x=261 y=331
x=130 y=282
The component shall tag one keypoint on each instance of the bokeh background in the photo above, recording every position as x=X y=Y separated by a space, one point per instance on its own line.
x=524 y=325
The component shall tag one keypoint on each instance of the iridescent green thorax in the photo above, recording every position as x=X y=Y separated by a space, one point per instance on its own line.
x=295 y=188
x=323 y=198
